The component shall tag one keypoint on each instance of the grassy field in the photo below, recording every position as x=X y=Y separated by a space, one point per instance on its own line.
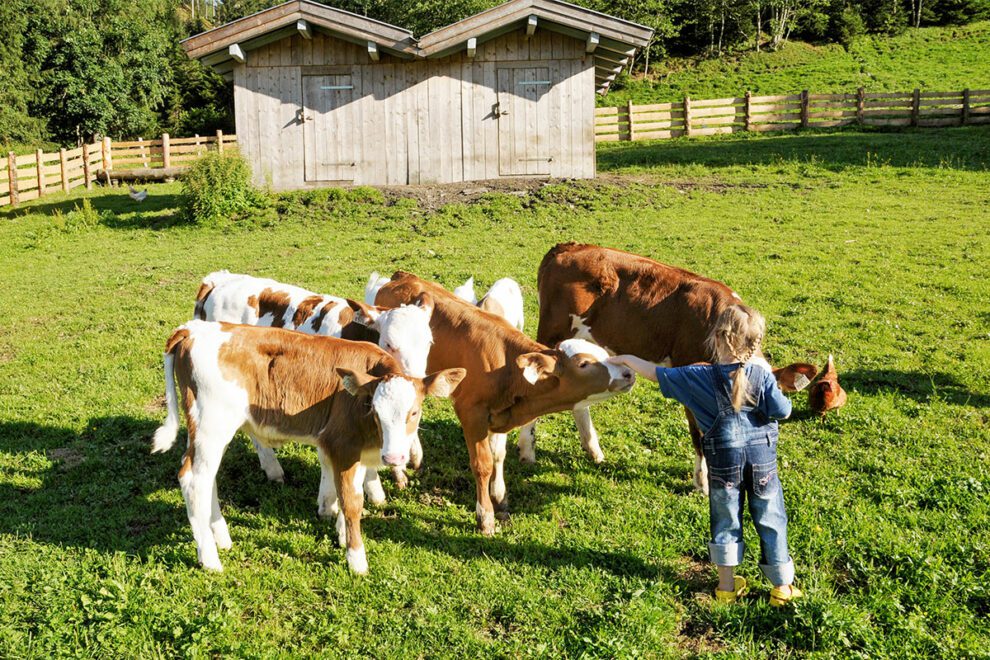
x=940 y=59
x=870 y=246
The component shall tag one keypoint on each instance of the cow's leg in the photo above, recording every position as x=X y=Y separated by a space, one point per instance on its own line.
x=326 y=502
x=589 y=436
x=474 y=422
x=416 y=452
x=527 y=443
x=349 y=485
x=217 y=523
x=373 y=487
x=700 y=466
x=197 y=478
x=500 y=500
x=269 y=463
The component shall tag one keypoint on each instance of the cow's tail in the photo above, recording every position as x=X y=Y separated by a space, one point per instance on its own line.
x=166 y=434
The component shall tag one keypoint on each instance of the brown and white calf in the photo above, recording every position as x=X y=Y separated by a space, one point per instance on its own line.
x=350 y=399
x=633 y=305
x=510 y=380
x=404 y=332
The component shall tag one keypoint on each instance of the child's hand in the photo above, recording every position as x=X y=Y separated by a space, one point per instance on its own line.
x=642 y=367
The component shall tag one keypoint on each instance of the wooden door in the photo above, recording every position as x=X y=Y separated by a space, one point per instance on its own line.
x=524 y=121
x=329 y=133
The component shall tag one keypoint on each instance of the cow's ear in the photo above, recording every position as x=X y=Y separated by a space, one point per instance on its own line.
x=537 y=366
x=425 y=302
x=357 y=383
x=443 y=383
x=366 y=315
x=795 y=377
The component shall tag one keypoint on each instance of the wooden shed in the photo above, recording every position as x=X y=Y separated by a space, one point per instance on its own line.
x=324 y=96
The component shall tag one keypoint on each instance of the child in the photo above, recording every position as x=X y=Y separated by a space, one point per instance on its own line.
x=736 y=404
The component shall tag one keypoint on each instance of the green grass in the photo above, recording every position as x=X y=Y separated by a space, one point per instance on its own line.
x=871 y=246
x=939 y=59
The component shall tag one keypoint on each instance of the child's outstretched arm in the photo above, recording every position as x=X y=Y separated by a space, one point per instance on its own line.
x=777 y=405
x=642 y=367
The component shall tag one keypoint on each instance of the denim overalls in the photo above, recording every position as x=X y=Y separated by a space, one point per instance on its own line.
x=741 y=452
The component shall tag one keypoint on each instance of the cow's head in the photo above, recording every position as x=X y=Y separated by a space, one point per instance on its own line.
x=396 y=402
x=560 y=379
x=404 y=331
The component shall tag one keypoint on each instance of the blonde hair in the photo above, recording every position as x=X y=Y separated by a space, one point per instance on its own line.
x=736 y=337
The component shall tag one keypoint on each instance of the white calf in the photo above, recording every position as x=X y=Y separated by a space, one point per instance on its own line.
x=349 y=399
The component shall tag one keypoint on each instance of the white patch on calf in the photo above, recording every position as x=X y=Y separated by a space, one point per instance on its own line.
x=508 y=294
x=404 y=333
x=580 y=328
x=375 y=283
x=394 y=398
x=466 y=291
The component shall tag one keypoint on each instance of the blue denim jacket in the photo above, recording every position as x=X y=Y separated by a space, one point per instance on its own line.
x=705 y=388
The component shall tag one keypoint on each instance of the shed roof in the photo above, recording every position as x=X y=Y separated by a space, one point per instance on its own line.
x=612 y=41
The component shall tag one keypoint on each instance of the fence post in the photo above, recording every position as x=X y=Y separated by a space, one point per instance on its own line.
x=805 y=100
x=166 y=158
x=629 y=109
x=687 y=116
x=65 y=171
x=86 y=176
x=748 y=116
x=108 y=155
x=965 y=108
x=219 y=140
x=39 y=159
x=860 y=105
x=144 y=157
x=12 y=177
x=915 y=106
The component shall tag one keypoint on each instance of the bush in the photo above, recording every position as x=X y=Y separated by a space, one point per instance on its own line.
x=218 y=188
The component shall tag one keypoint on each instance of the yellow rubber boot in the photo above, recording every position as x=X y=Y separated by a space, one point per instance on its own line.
x=730 y=597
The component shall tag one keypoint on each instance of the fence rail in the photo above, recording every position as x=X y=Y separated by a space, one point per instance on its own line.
x=784 y=112
x=27 y=177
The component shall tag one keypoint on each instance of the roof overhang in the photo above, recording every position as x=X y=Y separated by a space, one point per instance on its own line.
x=611 y=41
x=213 y=46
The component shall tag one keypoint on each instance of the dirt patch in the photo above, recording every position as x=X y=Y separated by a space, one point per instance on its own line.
x=434 y=196
x=699 y=638
x=66 y=457
x=156 y=405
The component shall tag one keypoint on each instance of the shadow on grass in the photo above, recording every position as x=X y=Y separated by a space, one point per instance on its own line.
x=964 y=148
x=921 y=387
x=102 y=489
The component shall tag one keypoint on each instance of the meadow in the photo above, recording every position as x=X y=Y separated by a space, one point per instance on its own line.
x=940 y=59
x=870 y=246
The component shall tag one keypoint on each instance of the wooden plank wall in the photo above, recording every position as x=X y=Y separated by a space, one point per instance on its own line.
x=792 y=111
x=428 y=121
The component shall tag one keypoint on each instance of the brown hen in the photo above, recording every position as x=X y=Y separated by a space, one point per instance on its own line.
x=825 y=393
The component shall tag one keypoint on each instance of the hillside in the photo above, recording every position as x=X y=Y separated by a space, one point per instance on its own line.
x=929 y=58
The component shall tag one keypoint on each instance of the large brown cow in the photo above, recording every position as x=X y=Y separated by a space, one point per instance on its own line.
x=510 y=380
x=630 y=304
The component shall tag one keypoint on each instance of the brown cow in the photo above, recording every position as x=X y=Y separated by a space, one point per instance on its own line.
x=511 y=380
x=630 y=304
x=350 y=399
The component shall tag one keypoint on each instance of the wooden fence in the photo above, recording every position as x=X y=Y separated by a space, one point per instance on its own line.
x=781 y=113
x=30 y=176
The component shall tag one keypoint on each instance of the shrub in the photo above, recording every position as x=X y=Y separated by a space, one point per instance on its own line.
x=218 y=188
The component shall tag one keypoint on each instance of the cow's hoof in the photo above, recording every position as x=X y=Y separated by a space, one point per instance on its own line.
x=401 y=480
x=502 y=515
x=357 y=561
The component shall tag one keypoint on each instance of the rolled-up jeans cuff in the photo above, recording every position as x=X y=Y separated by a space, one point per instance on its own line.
x=779 y=574
x=726 y=554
